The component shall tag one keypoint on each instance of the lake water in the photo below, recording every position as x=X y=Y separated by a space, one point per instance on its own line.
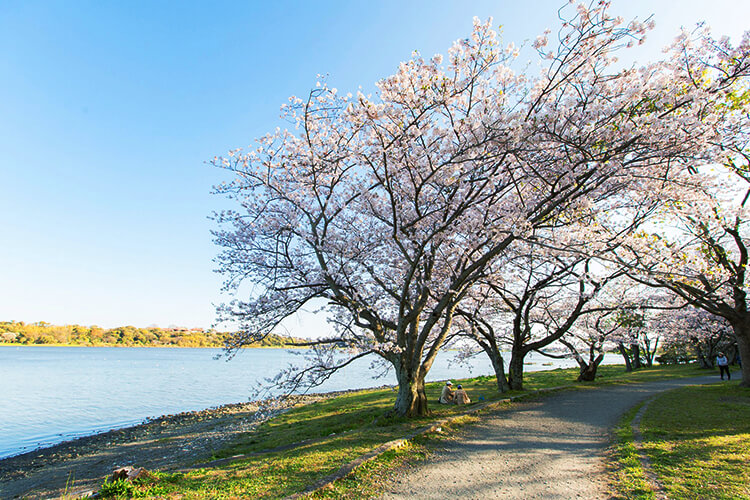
x=53 y=394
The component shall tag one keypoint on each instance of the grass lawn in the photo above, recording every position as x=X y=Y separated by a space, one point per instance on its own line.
x=335 y=432
x=697 y=439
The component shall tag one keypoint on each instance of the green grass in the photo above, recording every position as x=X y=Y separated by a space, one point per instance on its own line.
x=338 y=430
x=627 y=473
x=698 y=441
x=373 y=476
x=610 y=374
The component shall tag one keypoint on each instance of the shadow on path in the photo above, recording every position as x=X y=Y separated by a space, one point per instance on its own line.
x=552 y=448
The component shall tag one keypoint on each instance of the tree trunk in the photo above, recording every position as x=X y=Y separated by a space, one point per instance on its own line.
x=635 y=350
x=588 y=371
x=515 y=370
x=499 y=366
x=648 y=355
x=736 y=360
x=492 y=350
x=703 y=362
x=411 y=400
x=742 y=333
x=624 y=352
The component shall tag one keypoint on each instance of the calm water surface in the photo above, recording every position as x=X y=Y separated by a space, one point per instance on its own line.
x=52 y=394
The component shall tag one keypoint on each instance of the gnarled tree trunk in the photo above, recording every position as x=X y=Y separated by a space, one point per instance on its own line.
x=588 y=370
x=498 y=363
x=635 y=350
x=411 y=400
x=515 y=370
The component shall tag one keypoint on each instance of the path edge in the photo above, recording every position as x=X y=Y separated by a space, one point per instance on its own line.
x=648 y=470
x=435 y=426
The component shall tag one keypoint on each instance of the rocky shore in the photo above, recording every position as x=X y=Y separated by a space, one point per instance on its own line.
x=167 y=443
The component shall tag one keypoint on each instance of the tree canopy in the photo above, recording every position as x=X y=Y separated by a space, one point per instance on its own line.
x=391 y=208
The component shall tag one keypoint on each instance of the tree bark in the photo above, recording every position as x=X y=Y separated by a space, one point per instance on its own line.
x=588 y=371
x=499 y=366
x=411 y=400
x=635 y=350
x=515 y=370
x=742 y=333
x=650 y=352
x=624 y=352
x=703 y=361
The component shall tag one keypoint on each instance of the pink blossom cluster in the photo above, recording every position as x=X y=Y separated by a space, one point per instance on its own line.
x=396 y=208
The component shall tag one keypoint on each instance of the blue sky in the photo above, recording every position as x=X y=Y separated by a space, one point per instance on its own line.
x=109 y=110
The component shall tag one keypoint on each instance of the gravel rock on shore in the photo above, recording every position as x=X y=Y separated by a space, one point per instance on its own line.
x=166 y=443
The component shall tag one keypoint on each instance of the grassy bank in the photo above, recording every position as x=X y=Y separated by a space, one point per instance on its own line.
x=294 y=450
x=697 y=441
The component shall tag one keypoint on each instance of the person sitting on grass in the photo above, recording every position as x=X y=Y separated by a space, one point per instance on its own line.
x=446 y=397
x=460 y=397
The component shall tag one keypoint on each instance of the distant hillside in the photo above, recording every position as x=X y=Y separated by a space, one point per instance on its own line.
x=45 y=333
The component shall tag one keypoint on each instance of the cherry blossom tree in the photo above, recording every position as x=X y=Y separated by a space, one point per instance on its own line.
x=697 y=330
x=599 y=327
x=483 y=319
x=590 y=336
x=632 y=327
x=593 y=333
x=391 y=208
x=703 y=256
x=699 y=250
x=534 y=301
x=644 y=317
x=627 y=316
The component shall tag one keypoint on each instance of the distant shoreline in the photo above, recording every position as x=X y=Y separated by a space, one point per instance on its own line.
x=43 y=333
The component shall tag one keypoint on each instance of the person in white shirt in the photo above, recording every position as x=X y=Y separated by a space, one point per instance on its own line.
x=723 y=363
x=446 y=397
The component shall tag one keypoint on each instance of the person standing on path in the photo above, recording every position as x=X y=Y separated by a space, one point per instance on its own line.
x=723 y=363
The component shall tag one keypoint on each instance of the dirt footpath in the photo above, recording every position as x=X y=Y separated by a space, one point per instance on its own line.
x=552 y=448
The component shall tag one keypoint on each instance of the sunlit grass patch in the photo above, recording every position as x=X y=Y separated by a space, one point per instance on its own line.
x=697 y=439
x=627 y=474
x=373 y=477
x=609 y=374
x=268 y=476
x=298 y=448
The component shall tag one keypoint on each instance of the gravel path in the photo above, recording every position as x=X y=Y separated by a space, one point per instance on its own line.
x=551 y=448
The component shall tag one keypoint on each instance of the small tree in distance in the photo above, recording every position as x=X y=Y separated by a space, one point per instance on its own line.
x=391 y=209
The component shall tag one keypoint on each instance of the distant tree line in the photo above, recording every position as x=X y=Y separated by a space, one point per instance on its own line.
x=38 y=333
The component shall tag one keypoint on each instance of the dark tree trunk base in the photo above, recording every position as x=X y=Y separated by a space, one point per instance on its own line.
x=515 y=372
x=499 y=367
x=411 y=400
x=588 y=373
